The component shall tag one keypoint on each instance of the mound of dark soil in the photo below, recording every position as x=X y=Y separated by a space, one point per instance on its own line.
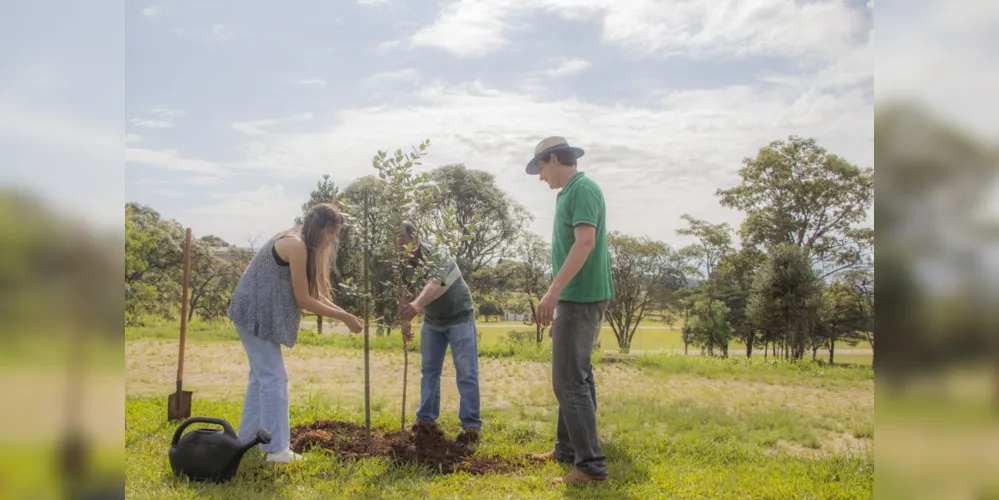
x=422 y=444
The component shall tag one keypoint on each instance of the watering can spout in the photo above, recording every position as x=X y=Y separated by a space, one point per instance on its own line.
x=262 y=437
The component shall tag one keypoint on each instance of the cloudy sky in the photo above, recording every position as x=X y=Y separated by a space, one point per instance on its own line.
x=235 y=109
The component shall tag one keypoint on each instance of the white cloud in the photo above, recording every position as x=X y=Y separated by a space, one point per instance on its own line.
x=408 y=75
x=570 y=67
x=244 y=215
x=154 y=118
x=171 y=160
x=372 y=2
x=697 y=28
x=469 y=28
x=132 y=138
x=139 y=122
x=314 y=81
x=152 y=11
x=256 y=127
x=218 y=29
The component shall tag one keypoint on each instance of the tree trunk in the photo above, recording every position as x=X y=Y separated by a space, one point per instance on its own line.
x=319 y=324
x=815 y=352
x=832 y=349
x=749 y=346
x=766 y=349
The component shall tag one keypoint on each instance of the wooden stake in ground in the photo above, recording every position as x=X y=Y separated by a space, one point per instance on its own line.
x=405 y=373
x=367 y=289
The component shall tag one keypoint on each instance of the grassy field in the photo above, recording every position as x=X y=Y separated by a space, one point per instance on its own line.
x=673 y=426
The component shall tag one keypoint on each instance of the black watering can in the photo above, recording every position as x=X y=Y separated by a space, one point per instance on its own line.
x=209 y=454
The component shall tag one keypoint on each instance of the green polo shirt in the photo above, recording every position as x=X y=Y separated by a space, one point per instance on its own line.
x=582 y=202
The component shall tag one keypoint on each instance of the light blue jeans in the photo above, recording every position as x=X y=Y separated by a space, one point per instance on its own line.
x=266 y=401
x=465 y=352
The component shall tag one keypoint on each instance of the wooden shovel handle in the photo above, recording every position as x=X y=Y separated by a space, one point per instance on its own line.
x=183 y=308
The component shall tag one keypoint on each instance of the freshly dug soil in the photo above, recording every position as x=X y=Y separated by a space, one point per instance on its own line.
x=422 y=444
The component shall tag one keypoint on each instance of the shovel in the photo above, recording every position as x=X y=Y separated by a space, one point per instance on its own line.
x=179 y=403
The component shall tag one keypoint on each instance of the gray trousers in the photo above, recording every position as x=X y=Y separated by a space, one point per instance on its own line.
x=574 y=331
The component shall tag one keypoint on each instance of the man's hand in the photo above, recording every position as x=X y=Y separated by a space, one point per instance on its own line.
x=410 y=310
x=546 y=308
x=407 y=331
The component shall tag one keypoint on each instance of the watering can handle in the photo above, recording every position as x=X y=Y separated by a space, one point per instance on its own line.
x=204 y=420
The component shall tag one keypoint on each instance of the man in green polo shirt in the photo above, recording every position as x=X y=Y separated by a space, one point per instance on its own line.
x=576 y=301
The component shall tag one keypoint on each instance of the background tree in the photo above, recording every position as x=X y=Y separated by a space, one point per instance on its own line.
x=709 y=326
x=326 y=191
x=489 y=218
x=714 y=242
x=685 y=299
x=214 y=276
x=795 y=192
x=352 y=243
x=786 y=297
x=154 y=250
x=732 y=282
x=640 y=267
x=843 y=317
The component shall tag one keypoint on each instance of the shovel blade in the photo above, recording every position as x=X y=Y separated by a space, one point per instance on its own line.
x=179 y=405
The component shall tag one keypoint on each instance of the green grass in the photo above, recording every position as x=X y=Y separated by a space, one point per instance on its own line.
x=695 y=453
x=673 y=426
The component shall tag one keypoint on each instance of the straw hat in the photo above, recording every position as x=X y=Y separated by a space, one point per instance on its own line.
x=546 y=147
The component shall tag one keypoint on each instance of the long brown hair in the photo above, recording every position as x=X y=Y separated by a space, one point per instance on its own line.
x=320 y=231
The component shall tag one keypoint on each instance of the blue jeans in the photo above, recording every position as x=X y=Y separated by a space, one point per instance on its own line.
x=266 y=401
x=465 y=351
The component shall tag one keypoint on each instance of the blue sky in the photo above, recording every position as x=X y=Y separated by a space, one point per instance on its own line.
x=234 y=109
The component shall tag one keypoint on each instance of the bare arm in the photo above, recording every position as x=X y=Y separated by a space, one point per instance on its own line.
x=585 y=240
x=335 y=307
x=294 y=250
x=431 y=292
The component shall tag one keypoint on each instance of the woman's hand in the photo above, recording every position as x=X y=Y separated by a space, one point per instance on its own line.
x=353 y=324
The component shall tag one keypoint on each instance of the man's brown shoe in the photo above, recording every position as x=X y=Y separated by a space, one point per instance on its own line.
x=578 y=477
x=548 y=457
